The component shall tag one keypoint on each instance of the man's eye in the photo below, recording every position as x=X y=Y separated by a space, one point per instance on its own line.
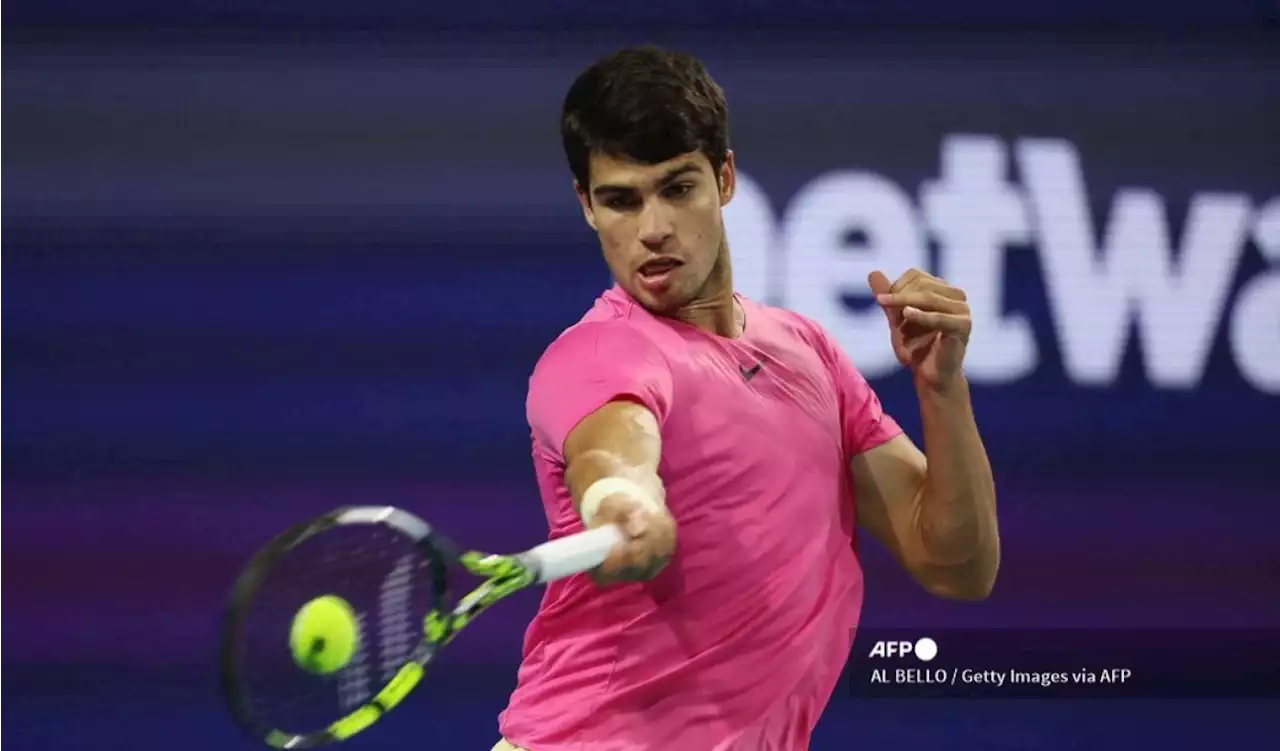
x=680 y=190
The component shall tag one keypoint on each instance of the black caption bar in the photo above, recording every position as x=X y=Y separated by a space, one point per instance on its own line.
x=1062 y=663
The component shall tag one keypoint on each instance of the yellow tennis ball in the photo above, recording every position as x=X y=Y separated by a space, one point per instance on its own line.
x=325 y=635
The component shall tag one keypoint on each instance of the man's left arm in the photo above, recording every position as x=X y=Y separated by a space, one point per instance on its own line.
x=934 y=510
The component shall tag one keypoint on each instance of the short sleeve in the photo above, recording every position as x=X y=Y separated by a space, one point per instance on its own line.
x=864 y=423
x=589 y=366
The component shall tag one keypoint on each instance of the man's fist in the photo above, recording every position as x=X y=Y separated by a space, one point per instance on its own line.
x=929 y=323
x=648 y=544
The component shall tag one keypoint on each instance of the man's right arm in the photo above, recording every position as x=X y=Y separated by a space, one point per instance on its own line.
x=611 y=469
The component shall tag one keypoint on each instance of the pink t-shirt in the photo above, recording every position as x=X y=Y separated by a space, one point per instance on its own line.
x=738 y=644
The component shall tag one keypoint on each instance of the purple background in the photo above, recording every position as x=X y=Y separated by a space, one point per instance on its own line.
x=252 y=276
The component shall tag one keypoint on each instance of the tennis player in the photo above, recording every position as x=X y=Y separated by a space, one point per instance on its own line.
x=735 y=444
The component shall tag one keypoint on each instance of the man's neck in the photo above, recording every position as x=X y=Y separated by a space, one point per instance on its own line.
x=717 y=315
x=715 y=310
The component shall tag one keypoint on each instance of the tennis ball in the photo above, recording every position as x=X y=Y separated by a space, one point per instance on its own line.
x=325 y=635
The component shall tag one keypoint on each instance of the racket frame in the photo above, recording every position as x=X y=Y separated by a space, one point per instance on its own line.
x=504 y=574
x=439 y=552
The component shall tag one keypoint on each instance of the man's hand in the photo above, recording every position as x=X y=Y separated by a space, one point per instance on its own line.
x=929 y=322
x=650 y=540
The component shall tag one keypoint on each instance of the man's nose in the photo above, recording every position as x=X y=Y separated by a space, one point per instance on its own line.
x=656 y=225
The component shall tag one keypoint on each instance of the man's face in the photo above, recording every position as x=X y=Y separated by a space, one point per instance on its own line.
x=660 y=225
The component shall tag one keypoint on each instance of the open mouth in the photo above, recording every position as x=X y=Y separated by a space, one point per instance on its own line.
x=658 y=268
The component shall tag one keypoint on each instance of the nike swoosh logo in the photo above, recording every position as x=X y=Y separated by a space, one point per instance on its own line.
x=748 y=373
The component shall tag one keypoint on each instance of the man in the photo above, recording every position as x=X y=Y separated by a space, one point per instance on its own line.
x=734 y=444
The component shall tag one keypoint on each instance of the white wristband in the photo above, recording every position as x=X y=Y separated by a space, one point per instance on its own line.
x=607 y=486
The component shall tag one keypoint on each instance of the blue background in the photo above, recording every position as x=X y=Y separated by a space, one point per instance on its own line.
x=261 y=261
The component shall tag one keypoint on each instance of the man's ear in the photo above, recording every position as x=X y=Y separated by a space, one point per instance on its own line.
x=728 y=179
x=584 y=199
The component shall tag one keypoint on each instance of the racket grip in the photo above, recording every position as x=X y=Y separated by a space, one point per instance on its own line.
x=573 y=554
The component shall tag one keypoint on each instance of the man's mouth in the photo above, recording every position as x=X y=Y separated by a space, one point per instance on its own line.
x=658 y=267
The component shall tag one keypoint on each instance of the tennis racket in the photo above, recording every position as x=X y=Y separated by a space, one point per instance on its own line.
x=393 y=569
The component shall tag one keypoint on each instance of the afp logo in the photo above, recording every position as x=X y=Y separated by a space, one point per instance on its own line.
x=924 y=649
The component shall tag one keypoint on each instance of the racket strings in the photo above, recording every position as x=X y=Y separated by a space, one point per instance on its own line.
x=397 y=633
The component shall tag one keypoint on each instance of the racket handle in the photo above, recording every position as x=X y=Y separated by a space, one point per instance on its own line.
x=573 y=554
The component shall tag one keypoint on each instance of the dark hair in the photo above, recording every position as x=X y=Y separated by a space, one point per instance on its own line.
x=645 y=103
